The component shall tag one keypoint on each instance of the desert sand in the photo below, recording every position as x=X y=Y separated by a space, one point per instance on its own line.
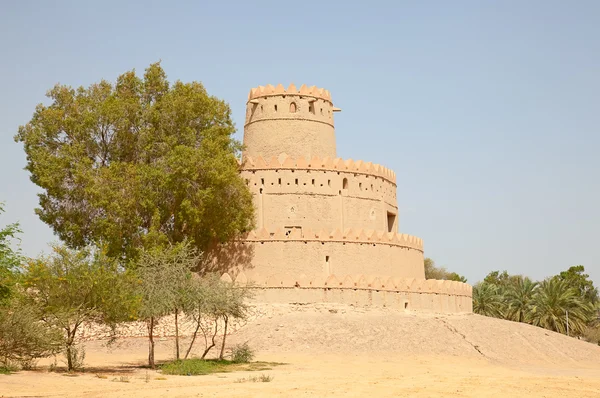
x=335 y=350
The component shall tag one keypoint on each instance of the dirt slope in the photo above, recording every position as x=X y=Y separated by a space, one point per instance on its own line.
x=331 y=328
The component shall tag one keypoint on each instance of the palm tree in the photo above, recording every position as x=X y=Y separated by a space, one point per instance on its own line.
x=487 y=300
x=518 y=296
x=551 y=302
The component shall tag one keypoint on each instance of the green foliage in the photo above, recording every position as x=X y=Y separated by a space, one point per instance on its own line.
x=552 y=300
x=137 y=163
x=165 y=284
x=578 y=280
x=23 y=337
x=214 y=302
x=501 y=279
x=195 y=367
x=9 y=258
x=434 y=272
x=72 y=287
x=242 y=353
x=544 y=304
x=487 y=301
x=518 y=297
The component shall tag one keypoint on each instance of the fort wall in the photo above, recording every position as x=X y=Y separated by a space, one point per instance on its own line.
x=297 y=122
x=364 y=290
x=327 y=227
x=321 y=193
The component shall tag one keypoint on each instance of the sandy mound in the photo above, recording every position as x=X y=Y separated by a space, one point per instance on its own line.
x=330 y=328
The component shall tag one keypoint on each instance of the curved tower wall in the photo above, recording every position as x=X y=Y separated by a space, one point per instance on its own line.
x=322 y=194
x=292 y=121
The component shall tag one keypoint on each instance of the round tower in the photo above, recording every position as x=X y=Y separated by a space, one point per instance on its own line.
x=292 y=121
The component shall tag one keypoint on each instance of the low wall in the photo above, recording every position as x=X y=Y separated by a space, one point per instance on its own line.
x=365 y=290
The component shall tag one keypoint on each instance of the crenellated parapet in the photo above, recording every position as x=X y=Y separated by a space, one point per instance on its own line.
x=362 y=289
x=285 y=162
x=269 y=90
x=359 y=236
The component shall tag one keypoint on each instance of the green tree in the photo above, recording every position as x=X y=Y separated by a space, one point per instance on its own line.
x=212 y=305
x=137 y=163
x=9 y=258
x=576 y=278
x=434 y=272
x=553 y=299
x=519 y=297
x=487 y=300
x=23 y=337
x=165 y=283
x=72 y=287
x=501 y=279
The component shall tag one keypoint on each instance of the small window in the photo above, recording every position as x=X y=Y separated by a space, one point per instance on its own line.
x=261 y=109
x=262 y=181
x=329 y=183
x=313 y=181
x=360 y=185
x=275 y=108
x=311 y=107
x=296 y=181
x=280 y=181
x=292 y=107
x=345 y=183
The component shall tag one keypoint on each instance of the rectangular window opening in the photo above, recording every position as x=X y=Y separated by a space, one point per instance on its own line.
x=391 y=221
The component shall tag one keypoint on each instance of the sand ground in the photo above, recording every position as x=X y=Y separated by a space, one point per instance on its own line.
x=340 y=351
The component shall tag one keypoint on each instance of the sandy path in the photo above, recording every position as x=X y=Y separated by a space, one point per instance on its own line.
x=349 y=352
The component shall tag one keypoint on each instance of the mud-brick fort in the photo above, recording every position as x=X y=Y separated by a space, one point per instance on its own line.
x=327 y=228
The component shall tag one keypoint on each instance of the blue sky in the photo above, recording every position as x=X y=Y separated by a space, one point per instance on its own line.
x=487 y=111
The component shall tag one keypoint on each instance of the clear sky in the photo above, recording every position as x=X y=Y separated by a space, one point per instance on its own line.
x=488 y=111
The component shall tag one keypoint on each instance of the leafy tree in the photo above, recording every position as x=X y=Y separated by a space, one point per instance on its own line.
x=519 y=297
x=553 y=298
x=501 y=279
x=165 y=283
x=137 y=163
x=9 y=257
x=212 y=305
x=487 y=300
x=434 y=272
x=72 y=287
x=23 y=337
x=577 y=279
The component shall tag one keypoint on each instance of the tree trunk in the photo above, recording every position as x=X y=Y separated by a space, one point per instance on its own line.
x=70 y=339
x=225 y=319
x=69 y=358
x=151 y=343
x=193 y=339
x=176 y=335
x=208 y=348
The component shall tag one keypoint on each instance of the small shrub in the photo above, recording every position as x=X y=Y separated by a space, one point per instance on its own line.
x=592 y=334
x=8 y=367
x=255 y=379
x=193 y=367
x=121 y=379
x=28 y=364
x=242 y=353
x=53 y=366
x=77 y=358
x=101 y=376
